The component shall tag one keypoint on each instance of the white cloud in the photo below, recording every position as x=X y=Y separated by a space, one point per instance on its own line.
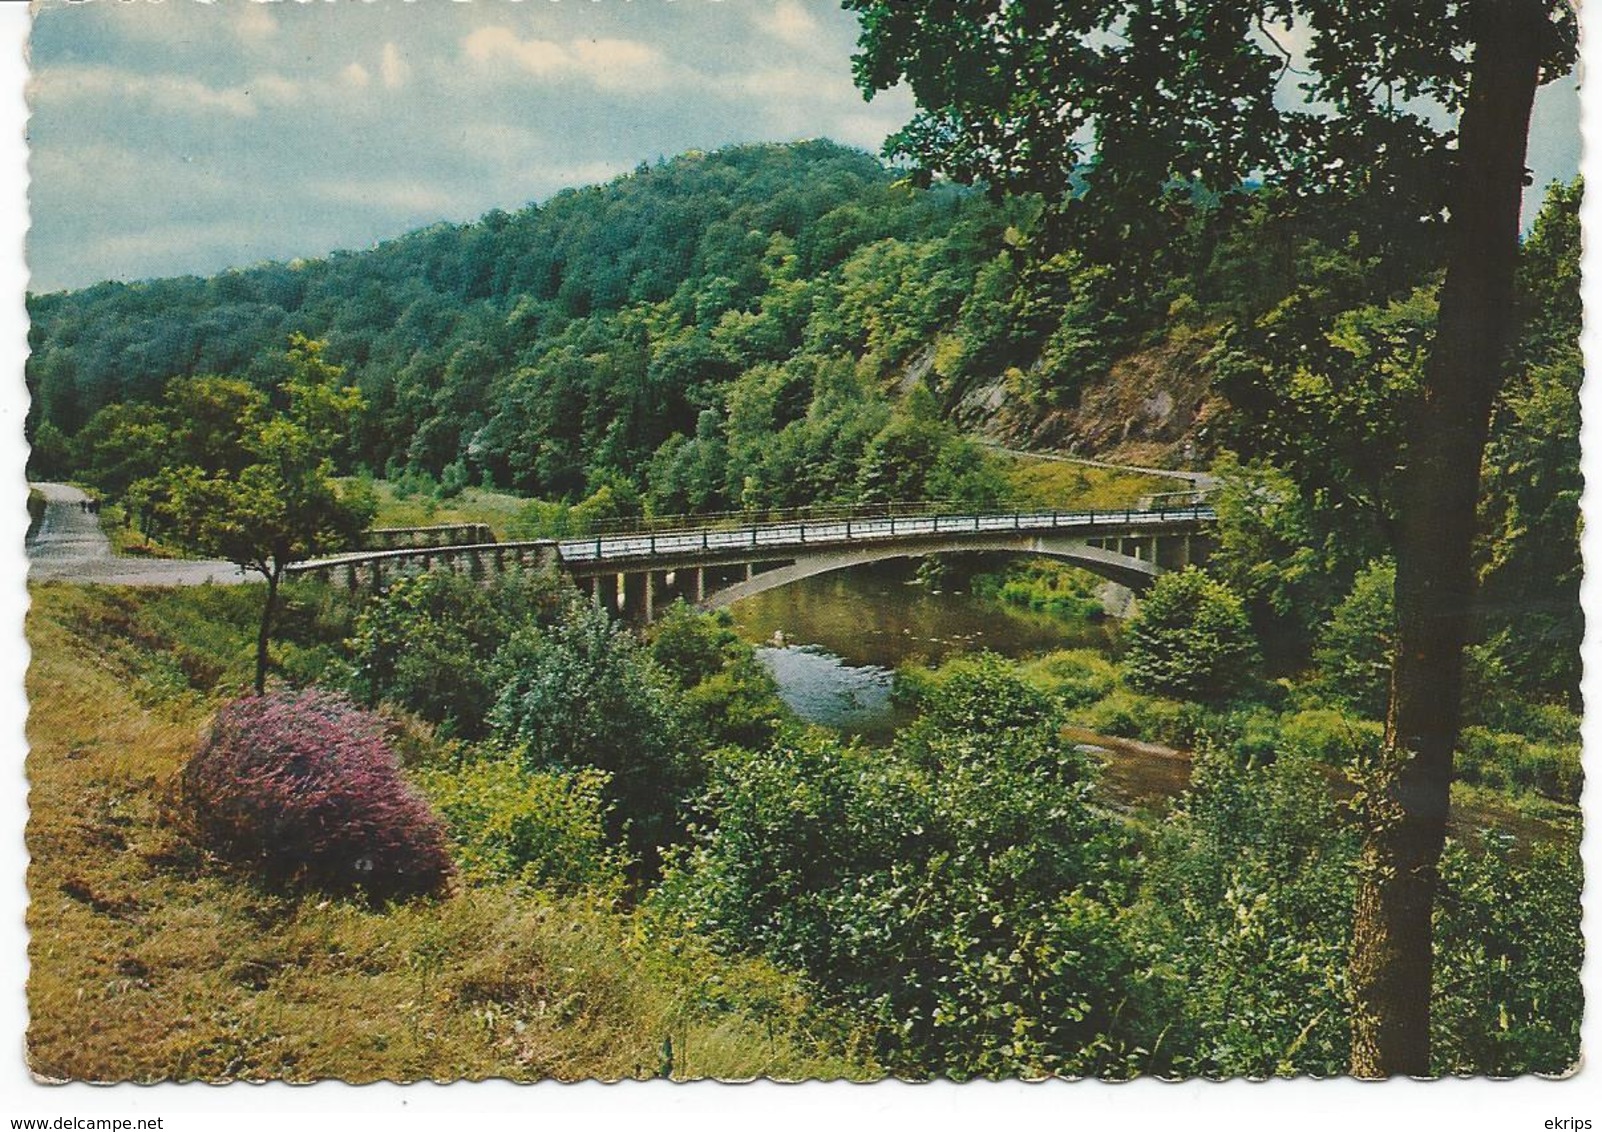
x=355 y=75
x=791 y=24
x=256 y=22
x=394 y=69
x=608 y=64
x=161 y=93
x=407 y=197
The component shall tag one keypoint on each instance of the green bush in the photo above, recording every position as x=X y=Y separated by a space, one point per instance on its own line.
x=541 y=828
x=426 y=643
x=1246 y=912
x=1505 y=761
x=958 y=891
x=582 y=692
x=1130 y=715
x=1330 y=737
x=1076 y=677
x=1356 y=645
x=1508 y=948
x=1190 y=639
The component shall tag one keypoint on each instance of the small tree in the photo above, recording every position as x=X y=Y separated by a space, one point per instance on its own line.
x=1356 y=648
x=279 y=505
x=1191 y=639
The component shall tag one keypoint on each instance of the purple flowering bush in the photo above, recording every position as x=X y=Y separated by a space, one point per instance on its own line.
x=303 y=789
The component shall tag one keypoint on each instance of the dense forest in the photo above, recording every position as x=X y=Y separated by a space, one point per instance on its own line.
x=778 y=326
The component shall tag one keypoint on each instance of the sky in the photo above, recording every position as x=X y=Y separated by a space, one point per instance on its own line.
x=183 y=137
x=187 y=137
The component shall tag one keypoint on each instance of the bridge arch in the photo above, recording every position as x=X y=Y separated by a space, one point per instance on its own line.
x=1135 y=573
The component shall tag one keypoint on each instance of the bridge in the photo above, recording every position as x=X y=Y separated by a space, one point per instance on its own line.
x=718 y=563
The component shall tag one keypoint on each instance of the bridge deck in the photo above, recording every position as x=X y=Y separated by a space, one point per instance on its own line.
x=782 y=538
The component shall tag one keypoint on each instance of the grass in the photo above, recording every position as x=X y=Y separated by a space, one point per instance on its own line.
x=473 y=505
x=150 y=962
x=1038 y=482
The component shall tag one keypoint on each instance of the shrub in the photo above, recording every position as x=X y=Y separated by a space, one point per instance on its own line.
x=583 y=692
x=545 y=829
x=1190 y=639
x=958 y=890
x=422 y=645
x=1330 y=736
x=1129 y=715
x=1077 y=677
x=1500 y=760
x=302 y=789
x=1508 y=950
x=1356 y=645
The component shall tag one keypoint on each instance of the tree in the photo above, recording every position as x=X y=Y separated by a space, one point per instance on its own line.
x=279 y=503
x=1181 y=104
x=1191 y=638
x=582 y=692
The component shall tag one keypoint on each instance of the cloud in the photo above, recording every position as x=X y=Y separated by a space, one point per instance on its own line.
x=255 y=23
x=608 y=64
x=165 y=94
x=394 y=69
x=356 y=75
x=791 y=24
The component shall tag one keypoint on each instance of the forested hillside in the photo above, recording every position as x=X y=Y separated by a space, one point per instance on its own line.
x=783 y=325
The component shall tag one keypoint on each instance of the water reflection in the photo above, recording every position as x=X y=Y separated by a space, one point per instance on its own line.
x=832 y=641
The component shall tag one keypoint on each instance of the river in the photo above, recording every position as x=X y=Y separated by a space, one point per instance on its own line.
x=834 y=640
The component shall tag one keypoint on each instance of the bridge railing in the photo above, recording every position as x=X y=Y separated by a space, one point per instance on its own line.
x=441 y=534
x=857 y=527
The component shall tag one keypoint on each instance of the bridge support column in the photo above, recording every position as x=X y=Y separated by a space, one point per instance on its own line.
x=700 y=584
x=650 y=597
x=622 y=592
x=750 y=570
x=1154 y=550
x=1184 y=554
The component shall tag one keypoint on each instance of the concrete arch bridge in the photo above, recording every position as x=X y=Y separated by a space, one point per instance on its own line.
x=715 y=565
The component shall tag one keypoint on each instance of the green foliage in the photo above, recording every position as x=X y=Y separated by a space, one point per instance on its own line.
x=423 y=644
x=729 y=697
x=1520 y=764
x=1246 y=909
x=581 y=692
x=1273 y=550
x=1358 y=643
x=1074 y=677
x=959 y=891
x=1046 y=587
x=543 y=829
x=1508 y=948
x=1331 y=737
x=1190 y=638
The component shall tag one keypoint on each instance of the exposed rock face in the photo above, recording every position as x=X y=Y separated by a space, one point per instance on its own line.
x=1152 y=407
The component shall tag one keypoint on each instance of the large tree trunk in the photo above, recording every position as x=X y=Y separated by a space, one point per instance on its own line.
x=1408 y=797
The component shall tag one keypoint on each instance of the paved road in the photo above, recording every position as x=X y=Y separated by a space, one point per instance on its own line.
x=70 y=547
x=1204 y=481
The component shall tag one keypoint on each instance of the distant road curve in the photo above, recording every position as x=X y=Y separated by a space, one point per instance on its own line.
x=1202 y=480
x=69 y=546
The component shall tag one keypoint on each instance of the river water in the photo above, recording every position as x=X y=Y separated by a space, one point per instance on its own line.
x=834 y=640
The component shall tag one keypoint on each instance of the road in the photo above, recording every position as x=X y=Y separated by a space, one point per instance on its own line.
x=1203 y=481
x=69 y=546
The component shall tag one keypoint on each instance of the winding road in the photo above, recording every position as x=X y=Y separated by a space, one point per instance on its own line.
x=69 y=546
